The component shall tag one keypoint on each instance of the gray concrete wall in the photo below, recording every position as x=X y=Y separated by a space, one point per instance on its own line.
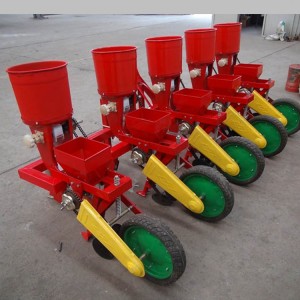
x=271 y=22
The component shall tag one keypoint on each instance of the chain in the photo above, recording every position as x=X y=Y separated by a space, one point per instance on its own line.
x=77 y=125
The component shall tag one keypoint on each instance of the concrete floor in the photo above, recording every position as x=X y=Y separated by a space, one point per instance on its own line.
x=252 y=254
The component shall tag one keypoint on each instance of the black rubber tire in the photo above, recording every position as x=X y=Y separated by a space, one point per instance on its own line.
x=255 y=152
x=295 y=106
x=280 y=129
x=100 y=249
x=218 y=179
x=163 y=199
x=168 y=238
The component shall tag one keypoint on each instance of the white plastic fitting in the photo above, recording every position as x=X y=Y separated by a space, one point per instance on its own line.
x=223 y=62
x=28 y=141
x=31 y=139
x=158 y=87
x=106 y=109
x=195 y=73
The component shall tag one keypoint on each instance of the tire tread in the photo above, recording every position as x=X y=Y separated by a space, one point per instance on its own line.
x=292 y=102
x=222 y=182
x=280 y=128
x=167 y=237
x=254 y=150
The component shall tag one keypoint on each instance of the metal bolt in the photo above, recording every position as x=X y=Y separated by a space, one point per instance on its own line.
x=142 y=256
x=63 y=206
x=116 y=180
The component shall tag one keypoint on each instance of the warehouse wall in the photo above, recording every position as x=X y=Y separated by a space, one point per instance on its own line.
x=292 y=24
x=224 y=18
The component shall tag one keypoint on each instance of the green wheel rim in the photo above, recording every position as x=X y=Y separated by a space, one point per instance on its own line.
x=245 y=159
x=153 y=253
x=291 y=114
x=210 y=193
x=271 y=134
